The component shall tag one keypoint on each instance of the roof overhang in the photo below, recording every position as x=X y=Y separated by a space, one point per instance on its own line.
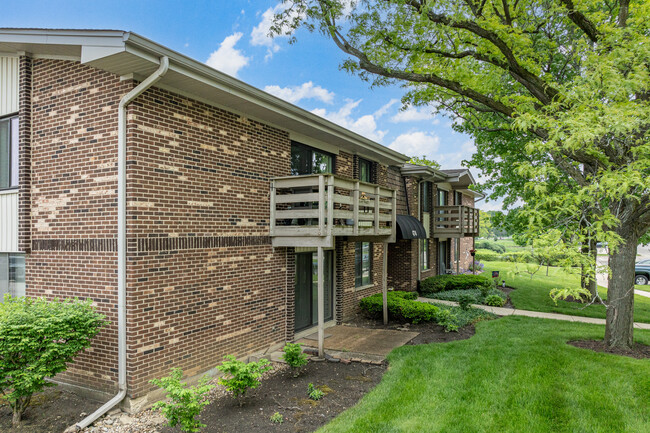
x=129 y=55
x=423 y=172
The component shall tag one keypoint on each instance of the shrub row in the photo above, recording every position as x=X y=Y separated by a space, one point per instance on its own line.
x=442 y=283
x=515 y=256
x=477 y=296
x=492 y=246
x=402 y=306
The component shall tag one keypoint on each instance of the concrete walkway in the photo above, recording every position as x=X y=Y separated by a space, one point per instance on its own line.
x=499 y=311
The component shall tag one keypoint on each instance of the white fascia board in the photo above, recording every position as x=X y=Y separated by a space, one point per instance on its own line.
x=93 y=52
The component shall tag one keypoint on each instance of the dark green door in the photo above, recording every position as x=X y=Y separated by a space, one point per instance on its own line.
x=306 y=296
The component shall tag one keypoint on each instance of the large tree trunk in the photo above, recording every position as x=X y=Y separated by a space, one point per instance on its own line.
x=620 y=293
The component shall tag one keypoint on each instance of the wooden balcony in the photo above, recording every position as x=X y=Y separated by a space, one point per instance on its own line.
x=455 y=221
x=312 y=210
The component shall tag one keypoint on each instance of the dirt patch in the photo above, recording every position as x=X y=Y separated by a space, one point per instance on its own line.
x=52 y=410
x=639 y=351
x=343 y=385
x=428 y=332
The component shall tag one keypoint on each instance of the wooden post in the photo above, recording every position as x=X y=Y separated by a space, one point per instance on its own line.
x=377 y=199
x=272 y=216
x=457 y=253
x=321 y=303
x=355 y=208
x=330 y=205
x=321 y=205
x=384 y=282
x=460 y=220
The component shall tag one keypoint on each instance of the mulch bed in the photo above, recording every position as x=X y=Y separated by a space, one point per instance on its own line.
x=344 y=385
x=429 y=332
x=507 y=291
x=52 y=410
x=639 y=351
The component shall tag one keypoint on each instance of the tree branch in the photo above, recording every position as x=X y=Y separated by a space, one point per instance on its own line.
x=581 y=21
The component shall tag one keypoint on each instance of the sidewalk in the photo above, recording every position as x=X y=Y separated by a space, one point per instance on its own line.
x=499 y=311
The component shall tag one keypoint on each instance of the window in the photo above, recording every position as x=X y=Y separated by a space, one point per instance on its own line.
x=9 y=153
x=443 y=197
x=458 y=198
x=362 y=264
x=307 y=160
x=12 y=275
x=365 y=170
x=425 y=197
x=424 y=254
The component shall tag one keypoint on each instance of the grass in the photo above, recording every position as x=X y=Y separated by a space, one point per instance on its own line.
x=509 y=244
x=645 y=288
x=532 y=294
x=517 y=374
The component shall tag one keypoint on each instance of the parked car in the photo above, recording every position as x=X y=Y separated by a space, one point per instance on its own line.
x=642 y=272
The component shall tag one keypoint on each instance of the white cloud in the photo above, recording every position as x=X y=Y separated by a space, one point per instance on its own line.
x=454 y=159
x=364 y=125
x=384 y=108
x=417 y=143
x=415 y=114
x=260 y=33
x=306 y=90
x=227 y=58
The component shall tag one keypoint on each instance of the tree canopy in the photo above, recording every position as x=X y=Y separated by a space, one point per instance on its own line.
x=556 y=91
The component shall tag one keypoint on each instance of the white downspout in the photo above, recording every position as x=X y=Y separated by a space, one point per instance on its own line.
x=121 y=243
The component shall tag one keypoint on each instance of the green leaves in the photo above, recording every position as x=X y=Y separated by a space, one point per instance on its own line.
x=185 y=402
x=243 y=376
x=38 y=338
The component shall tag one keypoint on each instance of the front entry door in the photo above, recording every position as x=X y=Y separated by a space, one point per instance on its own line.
x=443 y=252
x=306 y=296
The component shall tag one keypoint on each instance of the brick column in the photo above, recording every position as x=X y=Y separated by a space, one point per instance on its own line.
x=24 y=154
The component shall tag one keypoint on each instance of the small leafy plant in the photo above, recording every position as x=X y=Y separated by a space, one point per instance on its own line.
x=243 y=376
x=465 y=301
x=185 y=402
x=294 y=356
x=277 y=418
x=495 y=301
x=568 y=293
x=314 y=393
x=38 y=338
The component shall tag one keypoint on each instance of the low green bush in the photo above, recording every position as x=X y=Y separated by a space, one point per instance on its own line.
x=466 y=317
x=185 y=403
x=492 y=246
x=442 y=283
x=402 y=306
x=38 y=338
x=314 y=393
x=454 y=295
x=466 y=300
x=277 y=418
x=243 y=376
x=495 y=301
x=486 y=255
x=294 y=356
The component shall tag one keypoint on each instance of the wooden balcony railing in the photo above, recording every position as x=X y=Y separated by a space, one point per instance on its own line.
x=325 y=206
x=455 y=221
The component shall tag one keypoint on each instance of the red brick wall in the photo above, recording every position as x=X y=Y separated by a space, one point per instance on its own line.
x=204 y=280
x=73 y=200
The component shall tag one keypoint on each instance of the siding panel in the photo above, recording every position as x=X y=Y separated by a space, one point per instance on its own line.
x=8 y=85
x=8 y=222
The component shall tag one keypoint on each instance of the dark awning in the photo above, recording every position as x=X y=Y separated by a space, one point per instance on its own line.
x=409 y=227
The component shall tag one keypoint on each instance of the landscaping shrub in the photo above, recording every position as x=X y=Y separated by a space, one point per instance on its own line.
x=492 y=246
x=466 y=317
x=465 y=300
x=294 y=356
x=244 y=376
x=441 y=283
x=487 y=255
x=494 y=301
x=277 y=418
x=454 y=295
x=401 y=306
x=185 y=402
x=314 y=393
x=38 y=338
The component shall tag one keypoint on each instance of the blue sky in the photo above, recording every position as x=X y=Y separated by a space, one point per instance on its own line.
x=232 y=36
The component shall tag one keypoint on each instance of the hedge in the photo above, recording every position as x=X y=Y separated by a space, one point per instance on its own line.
x=402 y=306
x=493 y=246
x=441 y=283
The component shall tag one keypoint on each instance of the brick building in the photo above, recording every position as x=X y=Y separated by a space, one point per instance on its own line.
x=196 y=210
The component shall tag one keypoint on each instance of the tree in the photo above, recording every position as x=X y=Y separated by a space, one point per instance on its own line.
x=423 y=160
x=570 y=80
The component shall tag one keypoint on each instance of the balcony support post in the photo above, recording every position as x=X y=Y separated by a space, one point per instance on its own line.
x=355 y=210
x=272 y=216
x=384 y=282
x=330 y=205
x=321 y=205
x=377 y=199
x=321 y=303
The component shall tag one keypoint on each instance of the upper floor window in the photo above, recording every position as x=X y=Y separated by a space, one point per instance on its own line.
x=307 y=160
x=365 y=170
x=425 y=197
x=458 y=198
x=9 y=152
x=443 y=197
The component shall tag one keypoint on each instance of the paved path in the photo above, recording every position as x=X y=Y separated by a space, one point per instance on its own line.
x=499 y=311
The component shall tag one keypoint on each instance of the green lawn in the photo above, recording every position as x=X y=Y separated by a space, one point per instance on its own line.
x=645 y=288
x=532 y=294
x=517 y=374
x=510 y=245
